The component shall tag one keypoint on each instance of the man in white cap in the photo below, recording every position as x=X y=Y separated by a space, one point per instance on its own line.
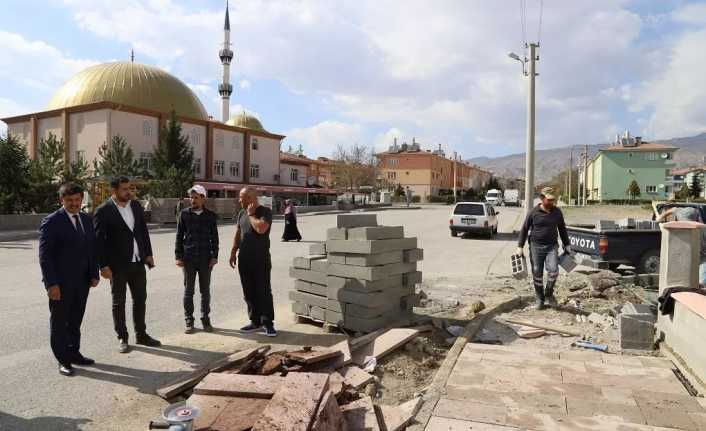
x=196 y=252
x=544 y=224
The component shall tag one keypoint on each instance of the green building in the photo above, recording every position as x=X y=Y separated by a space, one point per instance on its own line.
x=612 y=170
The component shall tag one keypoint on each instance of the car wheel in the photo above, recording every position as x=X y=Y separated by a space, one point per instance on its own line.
x=649 y=262
x=454 y=233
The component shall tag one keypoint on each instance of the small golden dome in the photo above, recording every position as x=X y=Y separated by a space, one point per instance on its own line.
x=132 y=84
x=246 y=121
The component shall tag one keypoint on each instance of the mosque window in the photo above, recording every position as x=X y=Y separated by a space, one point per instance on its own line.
x=25 y=131
x=197 y=166
x=219 y=139
x=80 y=123
x=80 y=155
x=254 y=170
x=254 y=144
x=195 y=136
x=294 y=175
x=219 y=166
x=236 y=143
x=147 y=128
x=234 y=169
x=145 y=161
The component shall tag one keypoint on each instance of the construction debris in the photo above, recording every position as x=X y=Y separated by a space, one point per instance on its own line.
x=547 y=328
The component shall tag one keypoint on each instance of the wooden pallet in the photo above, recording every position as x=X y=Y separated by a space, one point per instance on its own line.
x=329 y=328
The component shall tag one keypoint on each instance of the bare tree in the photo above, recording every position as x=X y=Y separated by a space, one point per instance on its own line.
x=354 y=166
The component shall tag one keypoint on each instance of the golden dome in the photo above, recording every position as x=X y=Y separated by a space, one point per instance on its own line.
x=130 y=84
x=246 y=121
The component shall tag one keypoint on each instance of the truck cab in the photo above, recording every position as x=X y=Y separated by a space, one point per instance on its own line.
x=494 y=197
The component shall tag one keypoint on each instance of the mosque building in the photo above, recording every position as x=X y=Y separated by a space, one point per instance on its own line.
x=135 y=100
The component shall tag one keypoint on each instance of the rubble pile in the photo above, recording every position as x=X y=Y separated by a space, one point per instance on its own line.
x=310 y=388
x=361 y=279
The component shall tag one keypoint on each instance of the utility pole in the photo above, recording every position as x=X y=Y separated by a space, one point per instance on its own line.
x=585 y=175
x=571 y=168
x=529 y=156
x=455 y=158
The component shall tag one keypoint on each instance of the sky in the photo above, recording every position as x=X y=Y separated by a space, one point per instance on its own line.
x=327 y=73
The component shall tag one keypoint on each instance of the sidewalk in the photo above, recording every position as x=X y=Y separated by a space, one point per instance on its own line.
x=506 y=387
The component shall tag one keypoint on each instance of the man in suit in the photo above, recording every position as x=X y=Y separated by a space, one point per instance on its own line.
x=124 y=248
x=69 y=270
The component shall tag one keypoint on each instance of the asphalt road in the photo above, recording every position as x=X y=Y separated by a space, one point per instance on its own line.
x=117 y=394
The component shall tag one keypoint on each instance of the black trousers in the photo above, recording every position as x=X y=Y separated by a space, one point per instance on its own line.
x=255 y=279
x=65 y=320
x=134 y=277
x=191 y=269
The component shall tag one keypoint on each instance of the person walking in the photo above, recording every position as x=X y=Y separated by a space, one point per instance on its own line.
x=408 y=196
x=251 y=254
x=124 y=248
x=291 y=232
x=543 y=225
x=196 y=252
x=69 y=270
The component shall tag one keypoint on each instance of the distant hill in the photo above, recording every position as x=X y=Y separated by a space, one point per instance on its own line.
x=548 y=163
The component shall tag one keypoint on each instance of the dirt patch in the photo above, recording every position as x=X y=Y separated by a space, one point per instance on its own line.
x=592 y=213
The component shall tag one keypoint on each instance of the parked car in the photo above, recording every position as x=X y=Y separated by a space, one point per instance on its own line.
x=494 y=197
x=474 y=217
x=511 y=198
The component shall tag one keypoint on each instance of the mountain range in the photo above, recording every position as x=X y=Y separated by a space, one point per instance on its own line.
x=549 y=162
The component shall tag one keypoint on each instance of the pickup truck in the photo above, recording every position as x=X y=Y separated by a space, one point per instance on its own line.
x=609 y=248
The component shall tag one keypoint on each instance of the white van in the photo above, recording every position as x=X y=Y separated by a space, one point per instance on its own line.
x=494 y=197
x=474 y=217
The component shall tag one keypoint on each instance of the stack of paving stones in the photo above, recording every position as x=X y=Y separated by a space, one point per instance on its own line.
x=361 y=279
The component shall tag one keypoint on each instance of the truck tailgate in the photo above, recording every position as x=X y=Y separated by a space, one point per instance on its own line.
x=584 y=240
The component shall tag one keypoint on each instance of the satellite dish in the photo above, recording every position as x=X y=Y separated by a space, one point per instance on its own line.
x=664 y=156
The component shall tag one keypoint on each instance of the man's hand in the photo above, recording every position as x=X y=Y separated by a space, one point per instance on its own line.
x=569 y=250
x=520 y=251
x=106 y=273
x=251 y=208
x=54 y=292
x=180 y=263
x=233 y=259
x=212 y=262
x=94 y=282
x=149 y=260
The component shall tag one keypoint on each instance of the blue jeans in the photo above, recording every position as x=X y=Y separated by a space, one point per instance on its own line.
x=544 y=256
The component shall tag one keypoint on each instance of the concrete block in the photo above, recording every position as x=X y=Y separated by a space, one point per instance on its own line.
x=308 y=275
x=364 y=285
x=364 y=298
x=337 y=233
x=409 y=301
x=335 y=305
x=356 y=220
x=636 y=331
x=371 y=312
x=339 y=258
x=377 y=232
x=308 y=298
x=304 y=262
x=320 y=266
x=374 y=259
x=412 y=278
x=371 y=273
x=317 y=248
x=606 y=224
x=313 y=288
x=413 y=255
x=370 y=246
x=300 y=308
x=640 y=309
x=355 y=323
x=318 y=313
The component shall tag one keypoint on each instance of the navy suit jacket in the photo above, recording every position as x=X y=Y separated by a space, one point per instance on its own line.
x=67 y=257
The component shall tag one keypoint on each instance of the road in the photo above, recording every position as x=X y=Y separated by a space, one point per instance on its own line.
x=117 y=394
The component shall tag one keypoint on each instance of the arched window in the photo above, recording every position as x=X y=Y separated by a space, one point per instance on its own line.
x=147 y=128
x=195 y=136
x=219 y=139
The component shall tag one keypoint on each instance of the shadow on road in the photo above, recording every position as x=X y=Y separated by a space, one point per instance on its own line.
x=284 y=337
x=10 y=422
x=181 y=353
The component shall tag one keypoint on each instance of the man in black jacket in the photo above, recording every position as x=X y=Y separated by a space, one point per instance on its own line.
x=542 y=224
x=196 y=251
x=69 y=270
x=124 y=248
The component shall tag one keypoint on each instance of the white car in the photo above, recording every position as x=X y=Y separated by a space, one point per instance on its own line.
x=474 y=217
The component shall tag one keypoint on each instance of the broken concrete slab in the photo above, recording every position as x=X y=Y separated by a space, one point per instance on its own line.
x=373 y=259
x=356 y=220
x=310 y=355
x=360 y=415
x=370 y=246
x=371 y=273
x=238 y=385
x=309 y=287
x=226 y=413
x=355 y=377
x=308 y=275
x=396 y=418
x=384 y=344
x=329 y=416
x=378 y=232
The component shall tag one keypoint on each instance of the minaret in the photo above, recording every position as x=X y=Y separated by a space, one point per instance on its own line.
x=225 y=89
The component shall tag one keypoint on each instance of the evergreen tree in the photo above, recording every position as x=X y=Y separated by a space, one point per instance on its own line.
x=633 y=190
x=115 y=158
x=173 y=161
x=695 y=186
x=683 y=193
x=14 y=171
x=45 y=174
x=76 y=172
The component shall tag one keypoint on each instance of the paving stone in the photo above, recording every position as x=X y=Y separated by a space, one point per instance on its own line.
x=364 y=285
x=636 y=331
x=602 y=407
x=360 y=415
x=337 y=233
x=308 y=298
x=365 y=298
x=321 y=265
x=371 y=273
x=370 y=246
x=437 y=423
x=378 y=232
x=304 y=262
x=339 y=258
x=654 y=400
x=374 y=259
x=356 y=220
x=652 y=362
x=308 y=275
x=671 y=418
x=455 y=409
x=413 y=255
x=313 y=288
x=317 y=248
x=537 y=402
x=619 y=396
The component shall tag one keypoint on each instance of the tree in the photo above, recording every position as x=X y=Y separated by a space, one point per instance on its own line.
x=695 y=185
x=76 y=172
x=115 y=158
x=354 y=167
x=45 y=174
x=173 y=161
x=633 y=190
x=14 y=172
x=683 y=193
x=493 y=184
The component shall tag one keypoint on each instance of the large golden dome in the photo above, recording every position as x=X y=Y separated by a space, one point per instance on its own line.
x=130 y=84
x=246 y=121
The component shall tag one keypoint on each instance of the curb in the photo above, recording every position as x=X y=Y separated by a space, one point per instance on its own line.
x=436 y=389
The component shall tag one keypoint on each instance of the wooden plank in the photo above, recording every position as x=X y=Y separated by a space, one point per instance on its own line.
x=396 y=418
x=360 y=415
x=293 y=406
x=182 y=384
x=355 y=377
x=358 y=342
x=219 y=413
x=310 y=355
x=237 y=358
x=239 y=385
x=384 y=344
x=329 y=416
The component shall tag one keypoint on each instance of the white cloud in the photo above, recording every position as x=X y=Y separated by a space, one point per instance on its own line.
x=245 y=84
x=9 y=108
x=323 y=138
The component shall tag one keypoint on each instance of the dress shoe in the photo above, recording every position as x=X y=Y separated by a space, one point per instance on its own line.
x=253 y=327
x=148 y=341
x=79 y=359
x=124 y=346
x=66 y=370
x=207 y=325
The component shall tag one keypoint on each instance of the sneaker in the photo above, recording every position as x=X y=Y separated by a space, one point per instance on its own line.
x=270 y=330
x=148 y=341
x=250 y=328
x=124 y=346
x=551 y=301
x=189 y=328
x=207 y=325
x=539 y=305
x=66 y=370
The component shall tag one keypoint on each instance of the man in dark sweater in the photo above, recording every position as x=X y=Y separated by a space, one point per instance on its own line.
x=544 y=224
x=196 y=252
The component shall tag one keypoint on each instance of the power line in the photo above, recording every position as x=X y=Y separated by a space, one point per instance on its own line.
x=539 y=30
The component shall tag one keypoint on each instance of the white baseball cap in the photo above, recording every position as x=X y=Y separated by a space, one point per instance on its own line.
x=198 y=189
